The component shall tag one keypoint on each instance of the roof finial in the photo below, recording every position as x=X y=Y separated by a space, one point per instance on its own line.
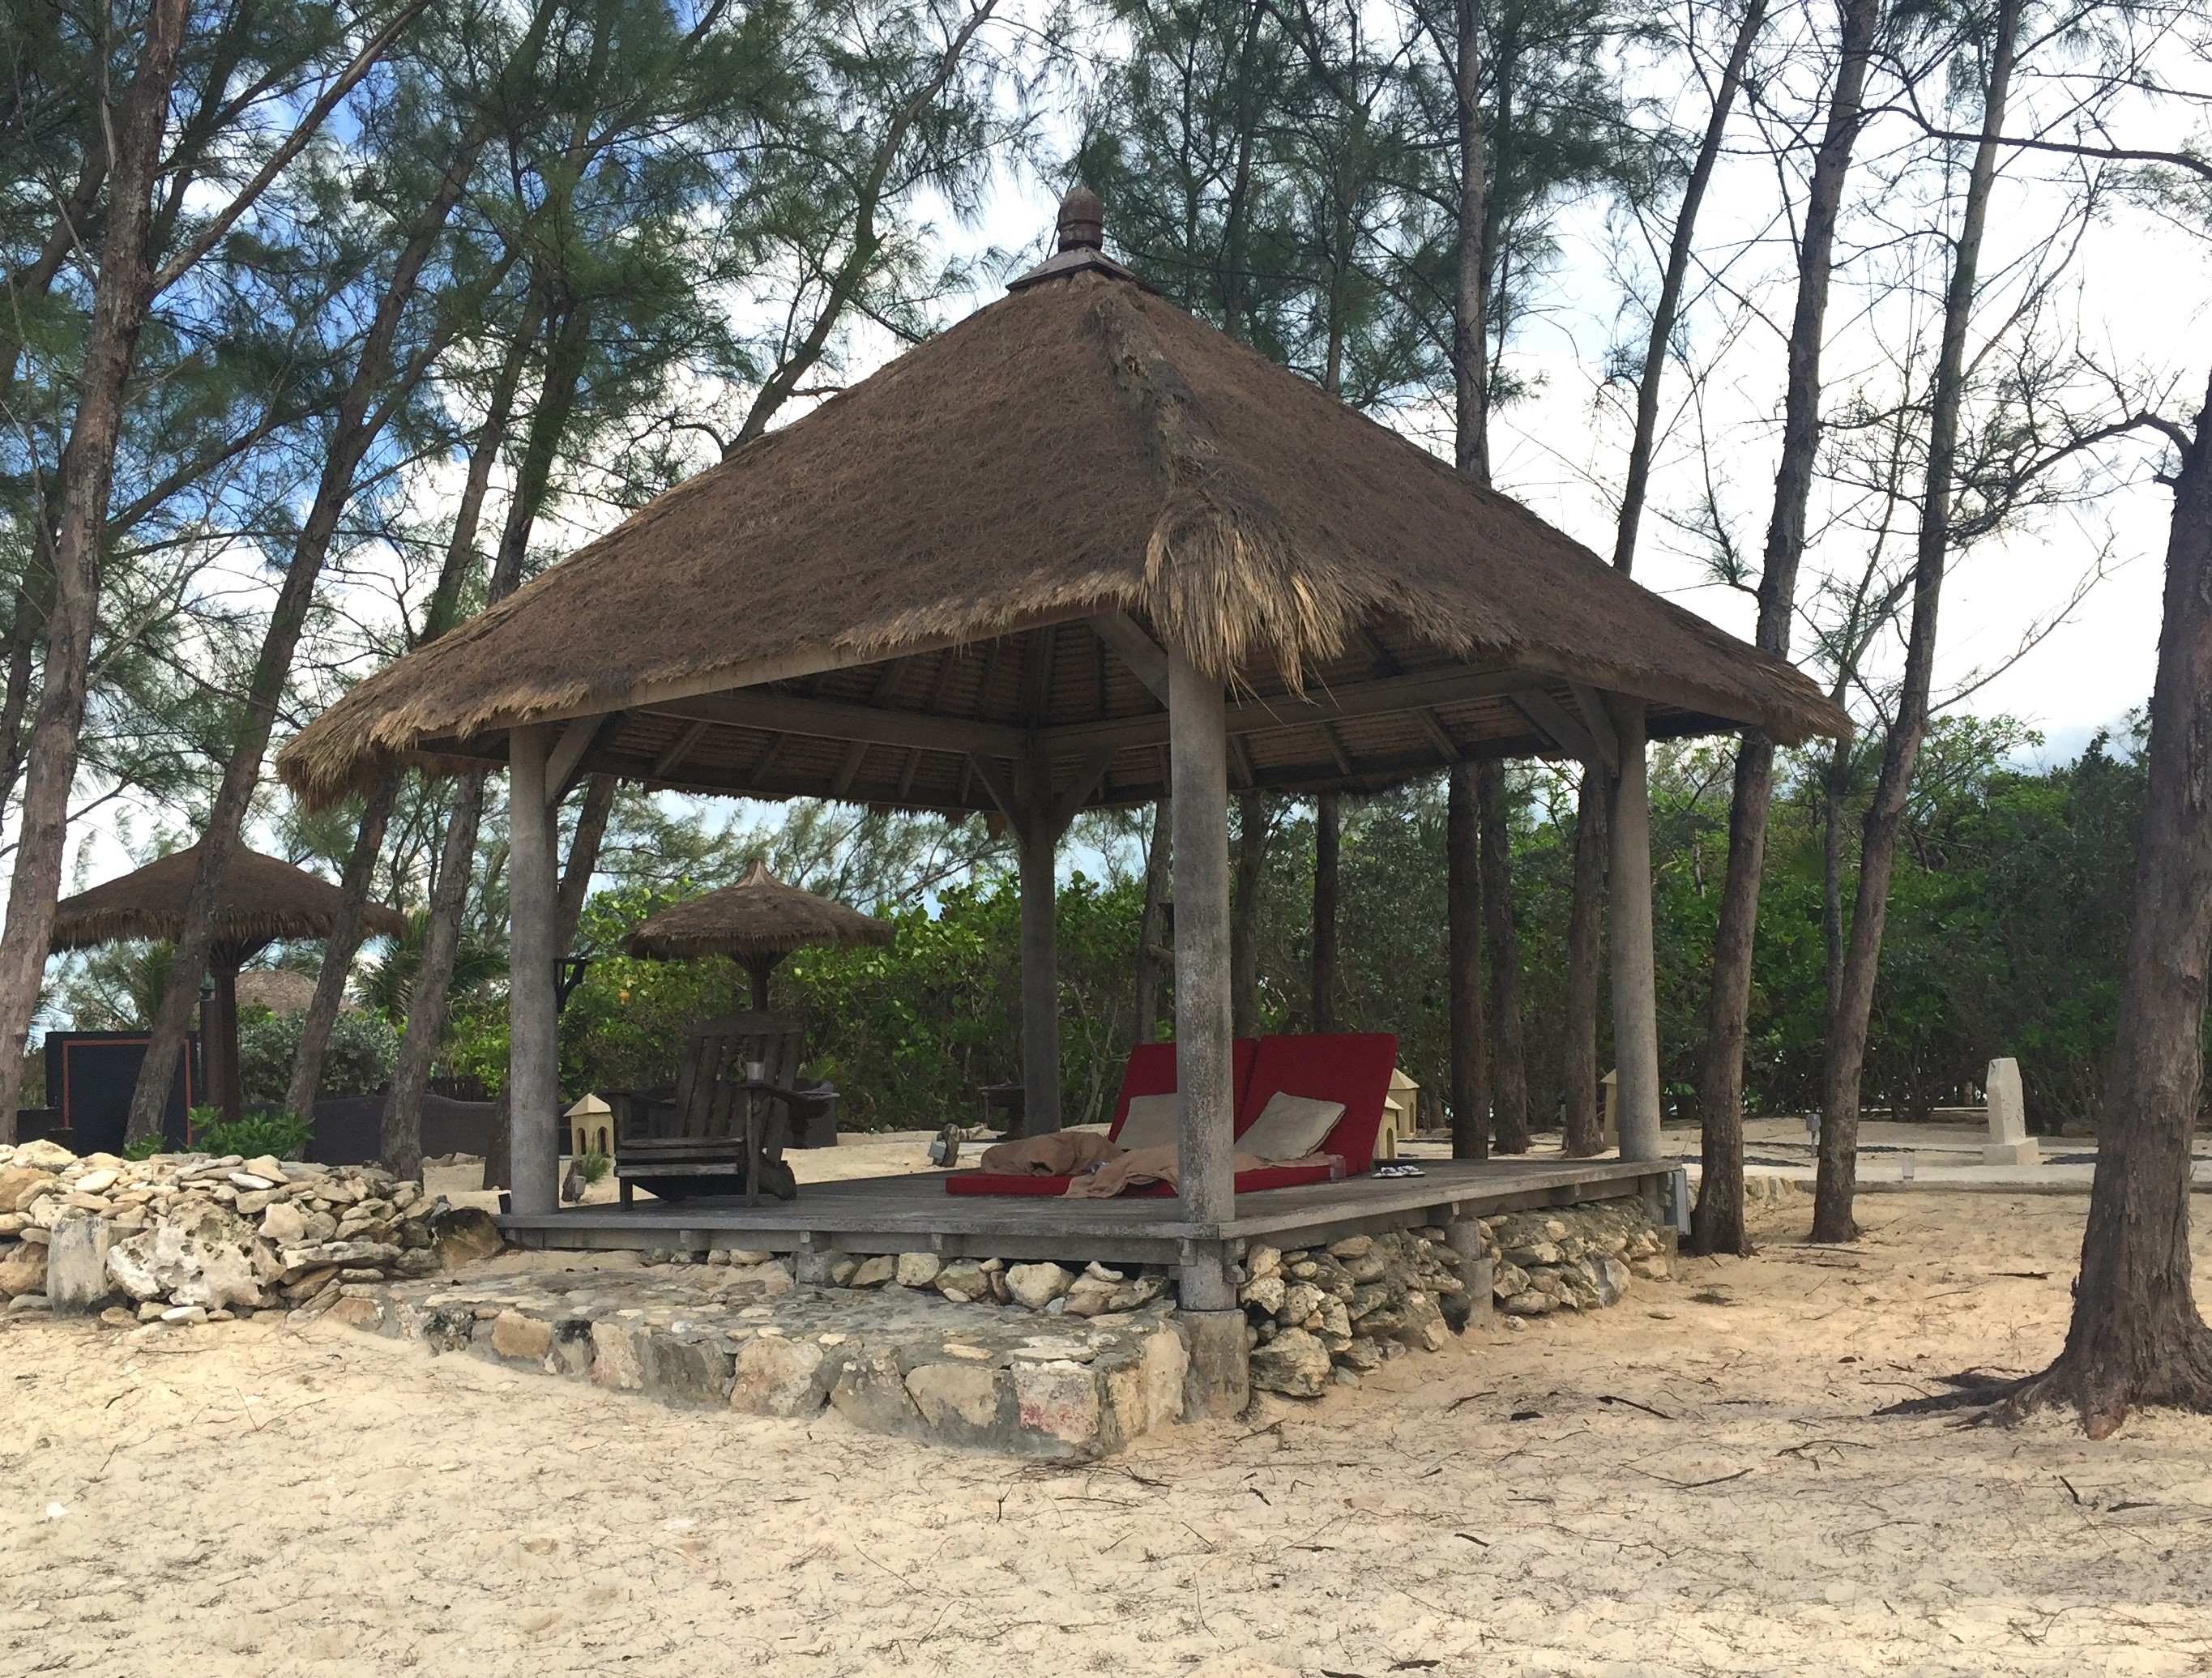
x=1082 y=221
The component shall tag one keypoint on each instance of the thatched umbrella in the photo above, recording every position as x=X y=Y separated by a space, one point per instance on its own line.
x=759 y=921
x=263 y=900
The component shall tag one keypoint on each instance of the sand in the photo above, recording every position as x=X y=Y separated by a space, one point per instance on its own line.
x=1694 y=1482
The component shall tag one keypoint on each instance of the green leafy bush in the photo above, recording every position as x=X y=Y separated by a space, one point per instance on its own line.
x=362 y=1048
x=145 y=1147
x=593 y=1167
x=286 y=1135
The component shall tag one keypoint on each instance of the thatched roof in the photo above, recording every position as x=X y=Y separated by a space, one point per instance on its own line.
x=760 y=916
x=281 y=990
x=961 y=524
x=262 y=899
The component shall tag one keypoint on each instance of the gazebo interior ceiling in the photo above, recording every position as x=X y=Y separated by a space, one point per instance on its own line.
x=931 y=730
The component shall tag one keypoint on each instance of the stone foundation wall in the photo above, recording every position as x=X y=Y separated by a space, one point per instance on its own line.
x=188 y=1239
x=1319 y=1314
x=1053 y=1289
x=745 y=1336
x=1577 y=1258
x=1318 y=1317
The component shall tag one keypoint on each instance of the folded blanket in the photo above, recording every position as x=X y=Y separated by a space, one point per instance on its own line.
x=1161 y=1165
x=1055 y=1154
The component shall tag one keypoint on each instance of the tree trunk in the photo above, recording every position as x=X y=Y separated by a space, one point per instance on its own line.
x=1716 y=1222
x=361 y=414
x=1471 y=275
x=840 y=287
x=1326 y=844
x=121 y=297
x=1469 y=1069
x=400 y=1143
x=2136 y=1337
x=438 y=617
x=583 y=859
x=1153 y=953
x=1509 y=1072
x=339 y=948
x=34 y=605
x=1837 y=788
x=1853 y=1009
x=1585 y=1135
x=1720 y=1083
x=1665 y=311
x=1470 y=1072
x=1244 y=915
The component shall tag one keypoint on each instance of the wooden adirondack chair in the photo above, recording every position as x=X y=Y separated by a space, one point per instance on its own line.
x=722 y=1128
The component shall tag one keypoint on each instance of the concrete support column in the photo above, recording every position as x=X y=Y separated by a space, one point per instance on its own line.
x=1038 y=836
x=1478 y=1271
x=1635 y=1003
x=533 y=1075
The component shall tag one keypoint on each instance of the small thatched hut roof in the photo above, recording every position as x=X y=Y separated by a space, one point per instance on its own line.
x=281 y=990
x=263 y=899
x=949 y=559
x=760 y=916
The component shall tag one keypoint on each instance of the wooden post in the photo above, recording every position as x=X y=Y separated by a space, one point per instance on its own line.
x=219 y=1038
x=533 y=1077
x=1635 y=1004
x=1213 y=1328
x=1203 y=1045
x=1036 y=833
x=1469 y=1067
x=760 y=967
x=1326 y=845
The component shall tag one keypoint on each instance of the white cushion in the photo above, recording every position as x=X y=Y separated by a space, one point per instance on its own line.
x=1290 y=1127
x=1149 y=1123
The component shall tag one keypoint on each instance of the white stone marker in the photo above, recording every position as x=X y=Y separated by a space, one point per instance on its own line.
x=76 y=1263
x=2009 y=1143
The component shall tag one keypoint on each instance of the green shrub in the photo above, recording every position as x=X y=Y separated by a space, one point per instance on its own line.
x=363 y=1049
x=145 y=1147
x=284 y=1134
x=593 y=1167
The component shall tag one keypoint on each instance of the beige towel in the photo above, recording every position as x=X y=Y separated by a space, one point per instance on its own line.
x=1055 y=1154
x=1161 y=1165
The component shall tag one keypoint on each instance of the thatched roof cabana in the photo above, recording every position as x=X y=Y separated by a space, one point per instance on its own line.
x=963 y=550
x=1078 y=551
x=263 y=900
x=759 y=920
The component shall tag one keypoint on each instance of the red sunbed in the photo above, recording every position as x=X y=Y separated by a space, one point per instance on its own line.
x=1354 y=1067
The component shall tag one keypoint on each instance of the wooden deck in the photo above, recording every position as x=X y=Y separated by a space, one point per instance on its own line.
x=911 y=1212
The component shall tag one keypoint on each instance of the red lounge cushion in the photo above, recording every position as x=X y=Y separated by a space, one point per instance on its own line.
x=1005 y=1182
x=1354 y=1067
x=1008 y=1182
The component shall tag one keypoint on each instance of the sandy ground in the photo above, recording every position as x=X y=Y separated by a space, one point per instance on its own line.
x=1694 y=1482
